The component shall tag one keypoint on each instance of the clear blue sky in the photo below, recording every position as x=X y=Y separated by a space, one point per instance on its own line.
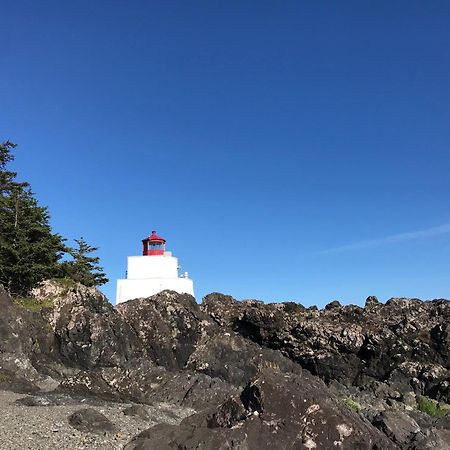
x=286 y=150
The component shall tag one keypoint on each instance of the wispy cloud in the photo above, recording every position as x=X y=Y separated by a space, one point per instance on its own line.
x=393 y=239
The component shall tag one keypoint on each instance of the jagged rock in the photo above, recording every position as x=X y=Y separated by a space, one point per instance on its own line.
x=23 y=335
x=351 y=345
x=237 y=365
x=399 y=427
x=433 y=439
x=227 y=414
x=89 y=420
x=372 y=301
x=275 y=411
x=442 y=423
x=145 y=383
x=176 y=334
x=232 y=358
x=88 y=330
x=168 y=325
x=332 y=305
x=10 y=381
x=51 y=290
x=11 y=330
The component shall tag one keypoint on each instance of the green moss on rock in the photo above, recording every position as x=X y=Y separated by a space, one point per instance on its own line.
x=32 y=304
x=432 y=407
x=352 y=404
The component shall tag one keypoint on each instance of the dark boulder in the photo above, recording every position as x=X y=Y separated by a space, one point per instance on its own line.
x=11 y=329
x=137 y=410
x=89 y=420
x=168 y=325
x=372 y=301
x=147 y=384
x=88 y=330
x=398 y=427
x=332 y=305
x=433 y=439
x=274 y=411
x=24 y=341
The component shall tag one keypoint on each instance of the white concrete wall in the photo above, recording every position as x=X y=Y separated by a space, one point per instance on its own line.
x=136 y=288
x=155 y=266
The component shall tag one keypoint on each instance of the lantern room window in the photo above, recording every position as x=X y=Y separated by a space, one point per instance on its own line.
x=153 y=245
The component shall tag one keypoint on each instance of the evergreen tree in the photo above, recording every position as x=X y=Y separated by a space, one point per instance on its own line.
x=84 y=268
x=29 y=251
x=6 y=177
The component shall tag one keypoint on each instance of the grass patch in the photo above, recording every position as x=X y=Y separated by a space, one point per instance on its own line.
x=32 y=304
x=432 y=407
x=352 y=404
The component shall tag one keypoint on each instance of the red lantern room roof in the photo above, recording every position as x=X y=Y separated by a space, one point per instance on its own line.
x=155 y=238
x=153 y=245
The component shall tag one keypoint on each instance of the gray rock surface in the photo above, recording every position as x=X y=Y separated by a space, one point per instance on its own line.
x=404 y=343
x=399 y=427
x=89 y=420
x=137 y=410
x=250 y=375
x=274 y=410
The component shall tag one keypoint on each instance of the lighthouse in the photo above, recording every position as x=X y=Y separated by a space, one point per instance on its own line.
x=153 y=272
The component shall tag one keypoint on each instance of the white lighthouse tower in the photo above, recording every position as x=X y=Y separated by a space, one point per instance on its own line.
x=153 y=272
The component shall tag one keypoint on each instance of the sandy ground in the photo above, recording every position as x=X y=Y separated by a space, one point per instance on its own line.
x=46 y=427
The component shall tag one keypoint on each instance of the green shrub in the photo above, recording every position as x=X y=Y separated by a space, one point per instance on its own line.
x=352 y=404
x=432 y=407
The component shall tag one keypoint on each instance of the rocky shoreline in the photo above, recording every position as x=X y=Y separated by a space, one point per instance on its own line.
x=223 y=374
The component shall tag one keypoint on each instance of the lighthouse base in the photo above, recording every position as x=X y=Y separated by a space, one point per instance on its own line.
x=130 y=289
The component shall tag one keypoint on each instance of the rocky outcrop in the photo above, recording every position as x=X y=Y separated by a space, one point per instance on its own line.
x=257 y=375
x=87 y=329
x=378 y=359
x=168 y=326
x=404 y=343
x=23 y=335
x=273 y=411
x=176 y=335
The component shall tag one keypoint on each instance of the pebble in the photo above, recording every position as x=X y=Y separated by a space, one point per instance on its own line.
x=46 y=427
